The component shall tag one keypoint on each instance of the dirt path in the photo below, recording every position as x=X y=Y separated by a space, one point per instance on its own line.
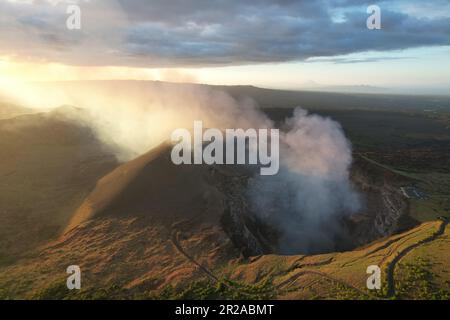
x=176 y=243
x=404 y=252
x=174 y=240
x=327 y=276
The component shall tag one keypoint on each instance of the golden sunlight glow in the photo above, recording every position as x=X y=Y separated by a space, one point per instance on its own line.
x=30 y=71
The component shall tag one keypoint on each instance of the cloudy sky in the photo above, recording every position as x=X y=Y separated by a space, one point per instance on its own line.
x=271 y=43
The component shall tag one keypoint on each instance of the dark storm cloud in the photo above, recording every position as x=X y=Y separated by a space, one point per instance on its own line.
x=226 y=32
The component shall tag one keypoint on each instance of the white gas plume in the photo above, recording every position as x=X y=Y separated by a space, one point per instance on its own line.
x=135 y=116
x=312 y=193
x=306 y=200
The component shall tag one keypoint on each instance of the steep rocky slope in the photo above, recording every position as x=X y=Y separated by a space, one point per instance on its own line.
x=385 y=209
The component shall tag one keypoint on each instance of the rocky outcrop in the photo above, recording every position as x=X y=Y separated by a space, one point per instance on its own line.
x=384 y=206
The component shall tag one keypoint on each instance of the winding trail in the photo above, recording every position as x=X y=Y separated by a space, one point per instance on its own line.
x=390 y=268
x=328 y=277
x=176 y=243
x=174 y=239
x=404 y=252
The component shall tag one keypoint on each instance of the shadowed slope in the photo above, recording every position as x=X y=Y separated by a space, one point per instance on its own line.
x=153 y=185
x=48 y=165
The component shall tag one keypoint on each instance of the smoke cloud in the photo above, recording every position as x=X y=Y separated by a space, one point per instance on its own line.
x=312 y=192
x=306 y=200
x=134 y=116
